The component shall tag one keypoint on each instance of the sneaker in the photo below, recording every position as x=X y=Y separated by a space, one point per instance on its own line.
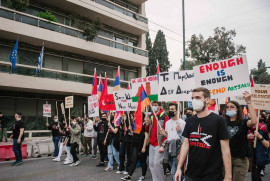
x=108 y=169
x=262 y=173
x=68 y=162
x=14 y=163
x=125 y=172
x=119 y=172
x=72 y=165
x=141 y=178
x=66 y=159
x=126 y=178
x=53 y=157
x=18 y=163
x=77 y=163
x=56 y=160
x=100 y=164
x=94 y=157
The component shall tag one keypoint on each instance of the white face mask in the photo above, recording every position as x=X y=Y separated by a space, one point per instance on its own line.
x=74 y=123
x=55 y=120
x=197 y=105
x=155 y=108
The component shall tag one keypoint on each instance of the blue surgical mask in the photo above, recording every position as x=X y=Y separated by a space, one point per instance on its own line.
x=231 y=113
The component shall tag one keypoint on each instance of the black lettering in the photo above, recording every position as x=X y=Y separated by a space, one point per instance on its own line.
x=163 y=91
x=178 y=91
x=164 y=76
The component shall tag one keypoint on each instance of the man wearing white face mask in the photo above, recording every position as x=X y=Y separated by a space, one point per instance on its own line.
x=54 y=127
x=206 y=142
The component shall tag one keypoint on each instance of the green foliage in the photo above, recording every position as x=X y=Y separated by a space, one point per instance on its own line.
x=149 y=48
x=158 y=52
x=218 y=47
x=260 y=75
x=47 y=15
x=90 y=31
x=19 y=5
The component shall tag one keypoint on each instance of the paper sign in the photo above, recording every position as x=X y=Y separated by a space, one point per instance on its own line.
x=93 y=106
x=260 y=97
x=47 y=110
x=108 y=103
x=150 y=85
x=225 y=78
x=176 y=86
x=69 y=102
x=123 y=101
x=62 y=108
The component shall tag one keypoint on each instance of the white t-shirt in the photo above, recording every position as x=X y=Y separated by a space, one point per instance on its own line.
x=170 y=128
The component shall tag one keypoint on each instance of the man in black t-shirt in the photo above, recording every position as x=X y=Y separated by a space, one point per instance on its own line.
x=206 y=143
x=55 y=128
x=18 y=137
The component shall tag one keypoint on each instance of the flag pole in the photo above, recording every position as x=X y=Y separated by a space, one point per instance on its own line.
x=56 y=109
x=128 y=119
x=257 y=127
x=47 y=117
x=155 y=116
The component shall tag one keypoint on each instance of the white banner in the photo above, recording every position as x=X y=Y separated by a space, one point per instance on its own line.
x=176 y=86
x=225 y=78
x=47 y=110
x=123 y=101
x=69 y=102
x=239 y=99
x=93 y=106
x=261 y=96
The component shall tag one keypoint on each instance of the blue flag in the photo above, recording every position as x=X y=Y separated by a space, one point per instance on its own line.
x=40 y=60
x=13 y=56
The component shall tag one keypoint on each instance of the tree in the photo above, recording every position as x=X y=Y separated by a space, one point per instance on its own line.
x=149 y=48
x=159 y=52
x=260 y=75
x=218 y=47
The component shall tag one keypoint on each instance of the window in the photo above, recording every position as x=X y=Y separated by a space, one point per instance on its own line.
x=28 y=57
x=5 y=53
x=7 y=106
x=53 y=62
x=75 y=66
x=132 y=75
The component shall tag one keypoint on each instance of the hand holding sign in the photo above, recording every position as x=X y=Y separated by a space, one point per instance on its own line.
x=247 y=96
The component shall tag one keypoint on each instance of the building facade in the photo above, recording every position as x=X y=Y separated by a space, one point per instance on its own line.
x=69 y=60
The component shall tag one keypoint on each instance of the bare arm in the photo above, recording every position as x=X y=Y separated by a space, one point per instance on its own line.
x=145 y=141
x=21 y=133
x=226 y=155
x=253 y=118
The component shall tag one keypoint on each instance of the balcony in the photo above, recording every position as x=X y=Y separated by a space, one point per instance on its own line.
x=102 y=47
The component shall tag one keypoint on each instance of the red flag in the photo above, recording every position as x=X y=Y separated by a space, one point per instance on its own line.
x=104 y=92
x=158 y=71
x=252 y=81
x=128 y=87
x=108 y=103
x=94 y=84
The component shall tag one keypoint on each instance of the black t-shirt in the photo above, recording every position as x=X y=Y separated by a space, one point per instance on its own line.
x=16 y=129
x=55 y=129
x=101 y=130
x=63 y=135
x=238 y=139
x=204 y=156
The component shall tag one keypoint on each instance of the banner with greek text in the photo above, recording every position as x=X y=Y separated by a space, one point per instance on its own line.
x=176 y=86
x=224 y=78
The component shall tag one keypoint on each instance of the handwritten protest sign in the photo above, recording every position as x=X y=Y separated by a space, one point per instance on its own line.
x=47 y=110
x=176 y=86
x=69 y=102
x=224 y=78
x=123 y=101
x=260 y=97
x=149 y=83
x=93 y=106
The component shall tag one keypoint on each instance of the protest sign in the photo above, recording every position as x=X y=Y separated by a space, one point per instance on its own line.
x=260 y=97
x=108 y=103
x=225 y=78
x=123 y=101
x=69 y=102
x=93 y=106
x=176 y=86
x=239 y=99
x=149 y=83
x=47 y=110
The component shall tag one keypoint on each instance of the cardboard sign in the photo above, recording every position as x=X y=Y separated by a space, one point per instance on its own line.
x=123 y=101
x=62 y=108
x=108 y=103
x=260 y=97
x=149 y=83
x=93 y=106
x=225 y=78
x=176 y=86
x=47 y=110
x=239 y=99
x=69 y=102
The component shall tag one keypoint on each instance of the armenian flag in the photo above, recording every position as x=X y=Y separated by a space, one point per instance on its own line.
x=118 y=118
x=94 y=84
x=117 y=81
x=100 y=87
x=228 y=99
x=142 y=103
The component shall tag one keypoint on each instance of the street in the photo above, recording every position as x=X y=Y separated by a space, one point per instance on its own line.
x=44 y=169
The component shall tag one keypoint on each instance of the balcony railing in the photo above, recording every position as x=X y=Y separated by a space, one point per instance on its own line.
x=60 y=28
x=28 y=70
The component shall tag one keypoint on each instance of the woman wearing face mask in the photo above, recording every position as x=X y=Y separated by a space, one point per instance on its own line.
x=238 y=128
x=75 y=131
x=63 y=137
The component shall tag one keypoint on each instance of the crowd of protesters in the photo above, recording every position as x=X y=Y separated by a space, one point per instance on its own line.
x=201 y=146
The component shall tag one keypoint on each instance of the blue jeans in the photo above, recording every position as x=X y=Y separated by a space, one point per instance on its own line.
x=95 y=146
x=173 y=163
x=17 y=150
x=56 y=148
x=112 y=152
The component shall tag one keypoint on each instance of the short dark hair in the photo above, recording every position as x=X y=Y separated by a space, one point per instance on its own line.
x=174 y=104
x=157 y=102
x=239 y=118
x=205 y=91
x=19 y=114
x=72 y=117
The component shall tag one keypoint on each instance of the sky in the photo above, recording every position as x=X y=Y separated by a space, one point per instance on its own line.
x=250 y=19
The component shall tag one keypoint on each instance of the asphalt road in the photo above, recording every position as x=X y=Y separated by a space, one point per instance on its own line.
x=44 y=169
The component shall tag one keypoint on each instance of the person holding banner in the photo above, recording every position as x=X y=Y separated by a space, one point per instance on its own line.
x=238 y=127
x=156 y=140
x=75 y=132
x=206 y=143
x=101 y=128
x=54 y=127
x=262 y=150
